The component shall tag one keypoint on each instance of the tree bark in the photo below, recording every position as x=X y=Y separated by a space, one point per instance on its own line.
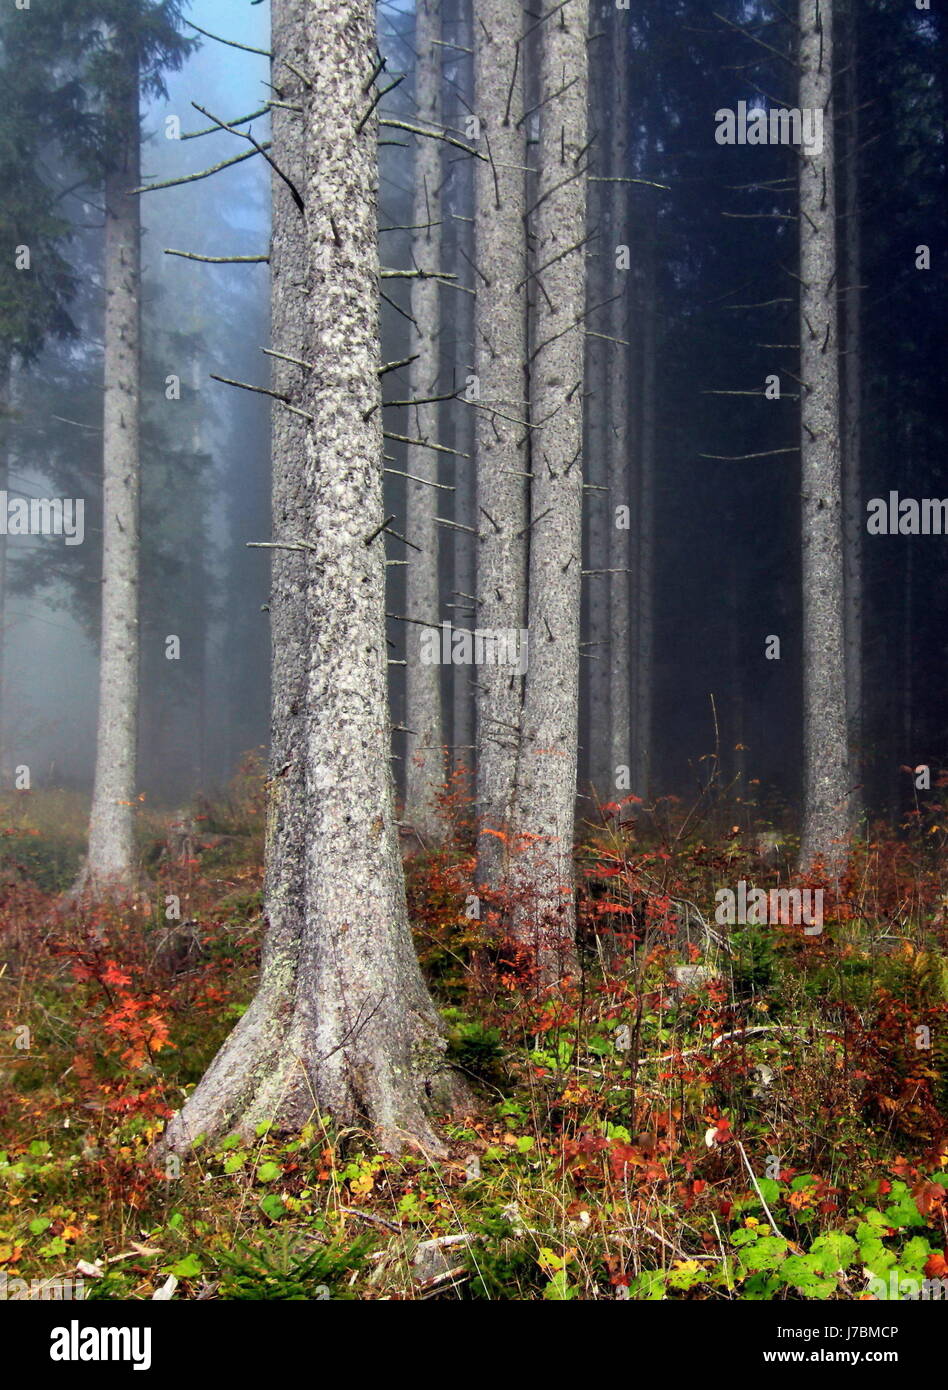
x=599 y=515
x=854 y=515
x=501 y=364
x=464 y=415
x=6 y=408
x=618 y=433
x=826 y=820
x=595 y=751
x=110 y=865
x=545 y=916
x=645 y=549
x=425 y=769
x=342 y=1022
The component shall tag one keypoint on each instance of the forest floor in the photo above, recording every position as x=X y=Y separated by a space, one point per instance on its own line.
x=773 y=1125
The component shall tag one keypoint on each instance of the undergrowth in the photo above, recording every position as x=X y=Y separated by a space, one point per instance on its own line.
x=710 y=1112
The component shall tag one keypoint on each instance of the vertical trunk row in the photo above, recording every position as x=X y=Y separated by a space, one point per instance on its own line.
x=545 y=912
x=597 y=417
x=110 y=865
x=826 y=776
x=501 y=356
x=854 y=516
x=424 y=748
x=618 y=433
x=645 y=549
x=464 y=415
x=6 y=407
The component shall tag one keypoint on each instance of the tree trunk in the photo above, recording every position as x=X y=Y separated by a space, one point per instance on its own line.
x=342 y=1022
x=595 y=752
x=545 y=810
x=645 y=550
x=618 y=433
x=501 y=357
x=463 y=414
x=826 y=820
x=854 y=515
x=424 y=748
x=6 y=409
x=110 y=865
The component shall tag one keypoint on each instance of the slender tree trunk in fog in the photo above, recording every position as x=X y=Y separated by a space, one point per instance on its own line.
x=645 y=549
x=501 y=354
x=424 y=756
x=736 y=763
x=463 y=415
x=826 y=776
x=595 y=750
x=6 y=407
x=618 y=433
x=343 y=1022
x=545 y=914
x=110 y=864
x=598 y=511
x=853 y=512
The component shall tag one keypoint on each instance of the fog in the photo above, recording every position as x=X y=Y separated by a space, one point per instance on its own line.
x=712 y=230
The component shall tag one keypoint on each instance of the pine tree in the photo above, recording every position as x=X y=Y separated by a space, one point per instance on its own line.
x=546 y=779
x=114 y=49
x=342 y=1022
x=826 y=820
x=501 y=355
x=425 y=769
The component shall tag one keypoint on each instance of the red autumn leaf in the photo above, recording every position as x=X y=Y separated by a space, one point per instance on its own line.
x=927 y=1196
x=113 y=975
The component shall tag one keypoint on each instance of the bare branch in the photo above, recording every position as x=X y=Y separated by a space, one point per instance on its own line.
x=212 y=129
x=204 y=173
x=261 y=149
x=231 y=43
x=219 y=260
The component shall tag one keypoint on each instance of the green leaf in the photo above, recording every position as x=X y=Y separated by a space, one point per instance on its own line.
x=904 y=1213
x=875 y=1256
x=558 y=1289
x=766 y=1253
x=269 y=1172
x=915 y=1256
x=188 y=1268
x=38 y=1225
x=799 y=1272
x=271 y=1205
x=649 y=1286
x=234 y=1161
x=833 y=1251
x=872 y=1224
x=760 y=1286
x=770 y=1190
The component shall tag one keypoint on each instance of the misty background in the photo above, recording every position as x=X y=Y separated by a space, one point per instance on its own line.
x=718 y=224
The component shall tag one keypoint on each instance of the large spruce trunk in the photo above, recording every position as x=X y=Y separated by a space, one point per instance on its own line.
x=826 y=775
x=501 y=354
x=342 y=1023
x=425 y=769
x=111 y=866
x=545 y=916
